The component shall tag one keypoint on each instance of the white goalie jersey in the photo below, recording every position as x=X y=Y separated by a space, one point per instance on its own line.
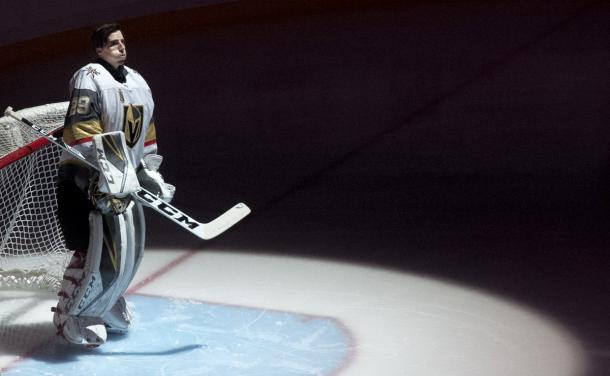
x=100 y=104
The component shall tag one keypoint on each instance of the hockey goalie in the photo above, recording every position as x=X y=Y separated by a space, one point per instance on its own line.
x=91 y=301
x=109 y=169
x=109 y=123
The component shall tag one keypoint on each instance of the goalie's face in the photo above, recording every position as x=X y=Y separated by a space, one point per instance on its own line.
x=114 y=52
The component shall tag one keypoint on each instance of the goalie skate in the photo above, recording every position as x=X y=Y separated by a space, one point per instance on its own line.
x=118 y=319
x=85 y=331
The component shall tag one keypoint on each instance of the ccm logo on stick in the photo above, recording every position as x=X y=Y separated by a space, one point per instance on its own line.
x=167 y=209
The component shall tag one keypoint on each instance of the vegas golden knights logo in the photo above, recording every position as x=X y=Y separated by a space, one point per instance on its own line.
x=133 y=118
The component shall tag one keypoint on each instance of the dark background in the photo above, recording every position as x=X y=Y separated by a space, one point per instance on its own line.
x=463 y=140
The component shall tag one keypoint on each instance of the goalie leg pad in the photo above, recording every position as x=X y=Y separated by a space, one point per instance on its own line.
x=119 y=318
x=95 y=280
x=122 y=251
x=80 y=286
x=82 y=282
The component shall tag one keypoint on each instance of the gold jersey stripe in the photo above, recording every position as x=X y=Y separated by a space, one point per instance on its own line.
x=80 y=130
x=151 y=134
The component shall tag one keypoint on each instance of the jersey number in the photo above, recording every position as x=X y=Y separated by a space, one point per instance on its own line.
x=80 y=106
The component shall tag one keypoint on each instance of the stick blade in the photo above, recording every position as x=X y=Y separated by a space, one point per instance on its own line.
x=222 y=223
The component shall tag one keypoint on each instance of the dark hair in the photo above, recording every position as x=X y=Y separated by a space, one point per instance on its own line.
x=99 y=37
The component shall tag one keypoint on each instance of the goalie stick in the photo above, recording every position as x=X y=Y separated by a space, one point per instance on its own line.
x=204 y=231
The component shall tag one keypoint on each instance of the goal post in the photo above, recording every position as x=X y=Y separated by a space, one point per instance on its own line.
x=32 y=248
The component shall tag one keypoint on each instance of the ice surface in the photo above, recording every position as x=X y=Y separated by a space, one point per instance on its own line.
x=186 y=337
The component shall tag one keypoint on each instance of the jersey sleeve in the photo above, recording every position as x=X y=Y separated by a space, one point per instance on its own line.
x=83 y=119
x=150 y=141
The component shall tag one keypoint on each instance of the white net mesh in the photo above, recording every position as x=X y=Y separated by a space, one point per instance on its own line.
x=32 y=249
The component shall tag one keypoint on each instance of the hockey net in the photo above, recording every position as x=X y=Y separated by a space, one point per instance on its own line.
x=32 y=248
